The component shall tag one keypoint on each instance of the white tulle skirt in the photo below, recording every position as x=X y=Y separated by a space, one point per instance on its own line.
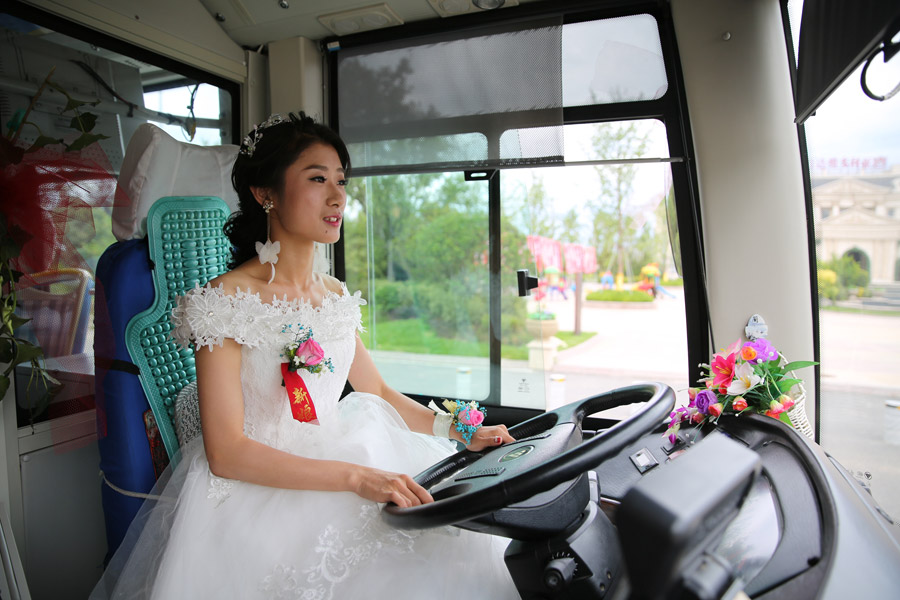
x=212 y=538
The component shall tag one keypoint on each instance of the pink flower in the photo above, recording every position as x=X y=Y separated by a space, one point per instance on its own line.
x=775 y=407
x=672 y=433
x=309 y=353
x=739 y=404
x=715 y=409
x=786 y=401
x=692 y=393
x=722 y=370
x=734 y=347
x=471 y=417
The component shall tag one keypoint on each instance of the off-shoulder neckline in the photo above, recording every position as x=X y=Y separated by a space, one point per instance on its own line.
x=328 y=299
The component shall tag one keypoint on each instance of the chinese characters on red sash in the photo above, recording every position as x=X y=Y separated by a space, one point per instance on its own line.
x=302 y=407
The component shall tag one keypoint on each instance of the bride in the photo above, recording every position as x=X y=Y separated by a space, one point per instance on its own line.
x=280 y=498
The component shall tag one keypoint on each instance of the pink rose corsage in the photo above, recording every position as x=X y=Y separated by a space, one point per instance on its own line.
x=303 y=353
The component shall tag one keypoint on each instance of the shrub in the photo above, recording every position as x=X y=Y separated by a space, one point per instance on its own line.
x=542 y=316
x=451 y=312
x=828 y=284
x=619 y=296
x=839 y=276
x=394 y=299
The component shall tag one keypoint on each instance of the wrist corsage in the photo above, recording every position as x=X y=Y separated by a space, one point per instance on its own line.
x=303 y=353
x=465 y=417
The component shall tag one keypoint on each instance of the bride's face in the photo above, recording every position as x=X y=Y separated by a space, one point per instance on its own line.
x=312 y=203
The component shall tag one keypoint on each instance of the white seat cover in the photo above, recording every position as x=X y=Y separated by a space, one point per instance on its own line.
x=157 y=165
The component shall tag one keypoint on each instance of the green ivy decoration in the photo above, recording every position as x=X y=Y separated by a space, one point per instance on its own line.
x=15 y=350
x=83 y=122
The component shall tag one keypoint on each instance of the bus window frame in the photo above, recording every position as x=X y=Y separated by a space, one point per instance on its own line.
x=670 y=108
x=18 y=9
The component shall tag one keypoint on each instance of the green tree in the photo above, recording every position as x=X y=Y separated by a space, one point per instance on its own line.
x=531 y=208
x=570 y=227
x=389 y=207
x=615 y=232
x=445 y=247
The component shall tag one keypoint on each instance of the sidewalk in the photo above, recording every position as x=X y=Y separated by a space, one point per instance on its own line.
x=856 y=350
x=860 y=353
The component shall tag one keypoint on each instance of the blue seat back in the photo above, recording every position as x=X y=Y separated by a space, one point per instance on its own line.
x=129 y=288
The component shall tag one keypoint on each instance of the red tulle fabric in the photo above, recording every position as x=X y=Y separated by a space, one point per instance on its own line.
x=46 y=192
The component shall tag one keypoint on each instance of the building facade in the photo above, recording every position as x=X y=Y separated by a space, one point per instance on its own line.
x=858 y=215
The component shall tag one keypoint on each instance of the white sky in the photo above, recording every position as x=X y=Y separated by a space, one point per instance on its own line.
x=850 y=124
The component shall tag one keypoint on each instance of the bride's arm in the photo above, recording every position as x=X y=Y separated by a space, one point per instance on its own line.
x=233 y=455
x=364 y=377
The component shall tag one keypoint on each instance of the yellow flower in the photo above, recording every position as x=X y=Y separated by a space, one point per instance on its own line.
x=451 y=406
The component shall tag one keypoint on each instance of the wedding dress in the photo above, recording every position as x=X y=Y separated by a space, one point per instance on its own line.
x=209 y=537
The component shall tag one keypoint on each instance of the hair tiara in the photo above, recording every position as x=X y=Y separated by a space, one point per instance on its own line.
x=248 y=146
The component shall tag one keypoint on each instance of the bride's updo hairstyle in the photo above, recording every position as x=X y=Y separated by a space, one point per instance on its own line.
x=265 y=155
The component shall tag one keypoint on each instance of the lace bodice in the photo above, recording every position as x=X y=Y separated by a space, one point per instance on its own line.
x=205 y=316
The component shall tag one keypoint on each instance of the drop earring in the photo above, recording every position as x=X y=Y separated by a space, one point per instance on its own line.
x=268 y=252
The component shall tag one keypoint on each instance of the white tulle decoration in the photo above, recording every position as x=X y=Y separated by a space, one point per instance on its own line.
x=321 y=263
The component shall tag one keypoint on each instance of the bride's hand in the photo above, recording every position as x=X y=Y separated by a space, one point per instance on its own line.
x=489 y=436
x=384 y=486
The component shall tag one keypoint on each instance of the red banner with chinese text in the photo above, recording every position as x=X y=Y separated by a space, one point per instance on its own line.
x=302 y=407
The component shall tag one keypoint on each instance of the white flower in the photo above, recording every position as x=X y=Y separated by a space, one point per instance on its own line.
x=205 y=311
x=268 y=252
x=744 y=379
x=249 y=319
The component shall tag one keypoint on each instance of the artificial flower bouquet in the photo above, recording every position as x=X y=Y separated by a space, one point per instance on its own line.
x=746 y=377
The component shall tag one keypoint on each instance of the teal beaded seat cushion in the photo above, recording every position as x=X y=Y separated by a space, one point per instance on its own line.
x=187 y=248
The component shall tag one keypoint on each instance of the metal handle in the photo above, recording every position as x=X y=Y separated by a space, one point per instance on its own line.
x=526 y=283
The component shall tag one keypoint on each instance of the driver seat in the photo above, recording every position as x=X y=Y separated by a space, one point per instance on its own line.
x=130 y=282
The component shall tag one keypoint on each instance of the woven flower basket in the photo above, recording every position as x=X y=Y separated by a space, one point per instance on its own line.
x=797 y=413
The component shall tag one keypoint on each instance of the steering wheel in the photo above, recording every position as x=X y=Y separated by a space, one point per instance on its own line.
x=547 y=460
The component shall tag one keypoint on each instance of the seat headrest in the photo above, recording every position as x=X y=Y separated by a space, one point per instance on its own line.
x=157 y=165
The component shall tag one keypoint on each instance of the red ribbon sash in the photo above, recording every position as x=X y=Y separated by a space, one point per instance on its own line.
x=302 y=407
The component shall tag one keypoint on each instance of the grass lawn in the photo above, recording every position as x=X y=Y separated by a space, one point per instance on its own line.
x=414 y=335
x=861 y=311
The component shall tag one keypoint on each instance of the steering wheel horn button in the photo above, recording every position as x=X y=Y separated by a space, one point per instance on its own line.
x=643 y=460
x=488 y=472
x=516 y=453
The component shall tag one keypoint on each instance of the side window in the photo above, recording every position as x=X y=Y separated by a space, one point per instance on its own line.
x=854 y=166
x=417 y=245
x=62 y=154
x=609 y=308
x=436 y=248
